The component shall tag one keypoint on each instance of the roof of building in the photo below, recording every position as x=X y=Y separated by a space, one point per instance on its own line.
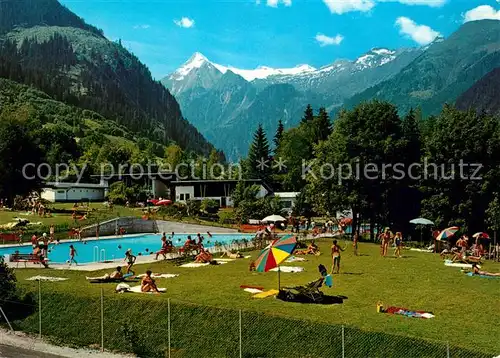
x=64 y=185
x=216 y=181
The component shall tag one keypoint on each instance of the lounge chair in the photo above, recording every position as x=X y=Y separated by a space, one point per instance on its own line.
x=306 y=293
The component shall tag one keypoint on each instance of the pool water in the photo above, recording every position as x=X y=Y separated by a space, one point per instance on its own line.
x=93 y=250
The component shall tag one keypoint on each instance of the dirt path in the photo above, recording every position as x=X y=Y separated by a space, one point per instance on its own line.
x=10 y=344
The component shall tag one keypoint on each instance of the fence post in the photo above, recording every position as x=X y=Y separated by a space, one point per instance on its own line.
x=40 y=309
x=102 y=320
x=6 y=319
x=343 y=343
x=241 y=337
x=448 y=349
x=168 y=326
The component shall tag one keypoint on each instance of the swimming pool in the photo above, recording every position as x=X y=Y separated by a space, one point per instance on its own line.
x=95 y=250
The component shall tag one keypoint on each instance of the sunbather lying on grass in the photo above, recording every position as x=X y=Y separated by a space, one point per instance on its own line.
x=312 y=249
x=117 y=275
x=477 y=271
x=231 y=255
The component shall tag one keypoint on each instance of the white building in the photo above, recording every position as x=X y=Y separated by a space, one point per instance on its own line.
x=218 y=190
x=71 y=192
x=287 y=199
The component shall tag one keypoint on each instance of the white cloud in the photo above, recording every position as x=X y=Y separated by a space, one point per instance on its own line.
x=185 y=22
x=328 y=41
x=432 y=3
x=142 y=27
x=343 y=6
x=482 y=12
x=422 y=34
x=274 y=3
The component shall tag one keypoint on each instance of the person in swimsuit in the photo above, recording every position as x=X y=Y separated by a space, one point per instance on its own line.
x=476 y=271
x=336 y=257
x=72 y=254
x=385 y=239
x=164 y=248
x=355 y=240
x=399 y=243
x=52 y=231
x=130 y=261
x=148 y=284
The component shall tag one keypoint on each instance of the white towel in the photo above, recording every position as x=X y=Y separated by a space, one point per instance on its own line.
x=295 y=259
x=159 y=275
x=197 y=264
x=420 y=250
x=252 y=290
x=46 y=278
x=456 y=264
x=291 y=269
x=225 y=260
x=137 y=289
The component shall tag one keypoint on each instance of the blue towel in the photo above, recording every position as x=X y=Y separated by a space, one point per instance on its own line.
x=482 y=276
x=329 y=280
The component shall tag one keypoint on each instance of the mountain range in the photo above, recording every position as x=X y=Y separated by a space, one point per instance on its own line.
x=484 y=95
x=226 y=103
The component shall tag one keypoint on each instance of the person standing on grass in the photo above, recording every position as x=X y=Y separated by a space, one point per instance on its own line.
x=72 y=254
x=355 y=240
x=336 y=257
x=130 y=258
x=52 y=231
x=385 y=239
x=399 y=243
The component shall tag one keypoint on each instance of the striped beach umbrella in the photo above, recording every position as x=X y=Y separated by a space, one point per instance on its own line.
x=447 y=233
x=275 y=253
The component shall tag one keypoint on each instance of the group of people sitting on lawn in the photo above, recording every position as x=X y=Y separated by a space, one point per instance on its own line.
x=461 y=252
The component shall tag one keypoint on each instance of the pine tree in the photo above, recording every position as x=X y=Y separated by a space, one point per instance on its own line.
x=258 y=165
x=323 y=127
x=308 y=114
x=279 y=134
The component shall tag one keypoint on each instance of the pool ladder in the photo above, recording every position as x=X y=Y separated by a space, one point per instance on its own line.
x=99 y=256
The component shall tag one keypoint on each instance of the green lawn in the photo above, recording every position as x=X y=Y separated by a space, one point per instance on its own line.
x=466 y=308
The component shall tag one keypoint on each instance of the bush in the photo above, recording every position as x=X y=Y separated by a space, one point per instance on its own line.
x=209 y=206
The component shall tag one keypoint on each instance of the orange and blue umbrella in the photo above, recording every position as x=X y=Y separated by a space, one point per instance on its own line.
x=447 y=233
x=274 y=254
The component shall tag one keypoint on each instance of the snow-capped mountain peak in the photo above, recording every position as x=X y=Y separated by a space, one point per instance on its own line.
x=197 y=60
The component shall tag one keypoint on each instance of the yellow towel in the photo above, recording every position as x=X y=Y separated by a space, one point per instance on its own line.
x=266 y=294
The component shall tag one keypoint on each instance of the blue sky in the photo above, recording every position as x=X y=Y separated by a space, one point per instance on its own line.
x=275 y=33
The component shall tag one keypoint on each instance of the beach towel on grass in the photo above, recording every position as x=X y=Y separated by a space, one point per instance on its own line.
x=295 y=259
x=137 y=289
x=266 y=294
x=252 y=290
x=408 y=313
x=159 y=275
x=471 y=274
x=46 y=278
x=461 y=265
x=197 y=264
x=291 y=269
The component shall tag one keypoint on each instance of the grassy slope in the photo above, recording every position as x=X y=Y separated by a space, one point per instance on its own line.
x=465 y=308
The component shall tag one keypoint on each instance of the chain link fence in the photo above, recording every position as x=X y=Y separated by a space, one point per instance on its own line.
x=155 y=326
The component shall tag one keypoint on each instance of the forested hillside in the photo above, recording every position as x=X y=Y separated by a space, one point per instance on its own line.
x=484 y=95
x=75 y=64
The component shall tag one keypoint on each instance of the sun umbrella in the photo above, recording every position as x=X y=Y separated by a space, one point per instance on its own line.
x=421 y=221
x=447 y=233
x=273 y=218
x=482 y=235
x=164 y=202
x=275 y=253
